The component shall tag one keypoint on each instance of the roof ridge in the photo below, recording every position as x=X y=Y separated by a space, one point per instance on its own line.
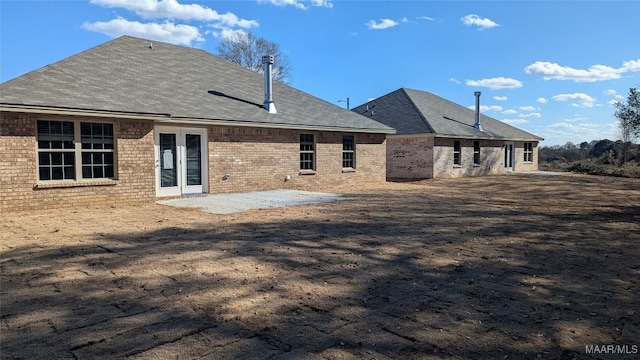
x=415 y=107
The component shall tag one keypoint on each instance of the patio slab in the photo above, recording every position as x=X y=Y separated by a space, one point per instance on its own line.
x=237 y=202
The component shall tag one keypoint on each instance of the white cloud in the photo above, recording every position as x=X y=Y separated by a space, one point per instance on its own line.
x=533 y=114
x=404 y=20
x=298 y=4
x=576 y=133
x=428 y=18
x=454 y=80
x=383 y=24
x=541 y=100
x=171 y=9
x=515 y=121
x=475 y=20
x=632 y=65
x=169 y=32
x=527 y=108
x=510 y=112
x=322 y=3
x=485 y=108
x=613 y=93
x=230 y=34
x=500 y=98
x=553 y=71
x=583 y=100
x=496 y=83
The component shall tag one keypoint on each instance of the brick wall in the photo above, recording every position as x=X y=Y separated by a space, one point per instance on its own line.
x=255 y=159
x=519 y=163
x=422 y=158
x=261 y=159
x=491 y=158
x=19 y=187
x=410 y=158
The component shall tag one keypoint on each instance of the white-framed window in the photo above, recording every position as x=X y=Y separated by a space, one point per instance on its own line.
x=348 y=152
x=307 y=152
x=75 y=150
x=457 y=158
x=528 y=152
x=476 y=153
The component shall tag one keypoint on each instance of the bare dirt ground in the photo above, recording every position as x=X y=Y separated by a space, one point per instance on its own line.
x=506 y=267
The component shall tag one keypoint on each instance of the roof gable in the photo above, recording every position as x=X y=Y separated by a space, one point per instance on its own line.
x=132 y=75
x=413 y=112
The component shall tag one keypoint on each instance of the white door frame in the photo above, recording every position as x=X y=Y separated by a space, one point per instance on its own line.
x=509 y=156
x=181 y=160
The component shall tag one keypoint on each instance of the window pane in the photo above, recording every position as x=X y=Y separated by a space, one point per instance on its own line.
x=108 y=171
x=43 y=159
x=56 y=158
x=69 y=172
x=45 y=173
x=86 y=172
x=97 y=130
x=86 y=158
x=56 y=173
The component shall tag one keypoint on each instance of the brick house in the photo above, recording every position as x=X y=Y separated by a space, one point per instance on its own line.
x=437 y=138
x=134 y=120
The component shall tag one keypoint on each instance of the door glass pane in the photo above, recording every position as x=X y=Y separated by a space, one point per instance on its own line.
x=168 y=160
x=194 y=159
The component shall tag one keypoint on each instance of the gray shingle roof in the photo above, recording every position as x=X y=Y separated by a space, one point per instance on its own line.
x=126 y=75
x=420 y=112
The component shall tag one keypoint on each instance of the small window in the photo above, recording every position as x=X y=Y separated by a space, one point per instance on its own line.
x=348 y=152
x=69 y=150
x=476 y=153
x=528 y=152
x=307 y=152
x=457 y=160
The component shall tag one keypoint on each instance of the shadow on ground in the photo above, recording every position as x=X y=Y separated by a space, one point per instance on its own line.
x=500 y=267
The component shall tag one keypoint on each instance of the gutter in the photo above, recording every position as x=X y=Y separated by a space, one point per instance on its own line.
x=465 y=137
x=167 y=118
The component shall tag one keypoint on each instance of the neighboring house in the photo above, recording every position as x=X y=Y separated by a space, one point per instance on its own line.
x=437 y=138
x=133 y=120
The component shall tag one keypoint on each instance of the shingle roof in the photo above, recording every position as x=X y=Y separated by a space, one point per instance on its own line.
x=419 y=112
x=127 y=75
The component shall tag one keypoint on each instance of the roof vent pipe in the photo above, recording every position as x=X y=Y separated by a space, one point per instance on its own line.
x=267 y=63
x=477 y=124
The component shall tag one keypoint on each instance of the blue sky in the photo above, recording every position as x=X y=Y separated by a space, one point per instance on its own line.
x=549 y=67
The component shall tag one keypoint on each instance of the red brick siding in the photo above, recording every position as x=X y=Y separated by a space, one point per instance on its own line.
x=19 y=187
x=255 y=159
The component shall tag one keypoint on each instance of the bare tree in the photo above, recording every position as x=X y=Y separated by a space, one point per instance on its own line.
x=246 y=50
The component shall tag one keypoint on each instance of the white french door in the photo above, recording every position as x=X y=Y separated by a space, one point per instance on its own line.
x=181 y=160
x=508 y=157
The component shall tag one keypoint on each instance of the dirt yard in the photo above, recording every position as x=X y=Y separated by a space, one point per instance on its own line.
x=506 y=267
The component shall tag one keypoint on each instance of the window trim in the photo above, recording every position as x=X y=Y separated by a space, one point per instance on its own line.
x=352 y=152
x=528 y=152
x=312 y=152
x=457 y=161
x=78 y=151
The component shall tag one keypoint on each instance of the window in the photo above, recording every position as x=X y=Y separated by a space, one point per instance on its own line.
x=307 y=152
x=476 y=153
x=456 y=153
x=528 y=152
x=348 y=152
x=71 y=150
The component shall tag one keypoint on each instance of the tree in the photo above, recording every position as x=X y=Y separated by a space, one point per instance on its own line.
x=246 y=50
x=628 y=113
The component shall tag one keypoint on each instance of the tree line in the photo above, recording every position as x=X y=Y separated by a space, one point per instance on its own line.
x=607 y=152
